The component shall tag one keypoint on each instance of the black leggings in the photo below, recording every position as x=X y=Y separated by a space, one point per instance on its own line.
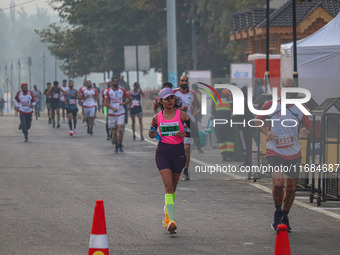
x=26 y=120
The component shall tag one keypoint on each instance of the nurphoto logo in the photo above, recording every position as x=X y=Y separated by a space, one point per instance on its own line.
x=238 y=104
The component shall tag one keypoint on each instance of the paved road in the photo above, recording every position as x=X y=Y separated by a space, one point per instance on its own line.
x=49 y=185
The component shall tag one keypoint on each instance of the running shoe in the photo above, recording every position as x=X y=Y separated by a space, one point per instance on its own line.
x=166 y=218
x=58 y=126
x=172 y=227
x=26 y=139
x=74 y=131
x=71 y=133
x=121 y=148
x=141 y=137
x=277 y=219
x=285 y=221
x=185 y=175
x=116 y=150
x=49 y=121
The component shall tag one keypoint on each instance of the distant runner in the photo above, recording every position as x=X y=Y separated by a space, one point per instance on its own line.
x=26 y=102
x=71 y=97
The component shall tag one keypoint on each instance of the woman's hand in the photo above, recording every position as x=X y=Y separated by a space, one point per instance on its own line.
x=181 y=134
x=152 y=133
x=270 y=135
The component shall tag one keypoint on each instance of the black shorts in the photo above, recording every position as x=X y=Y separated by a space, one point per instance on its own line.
x=289 y=167
x=170 y=156
x=55 y=105
x=73 y=111
x=136 y=110
x=62 y=105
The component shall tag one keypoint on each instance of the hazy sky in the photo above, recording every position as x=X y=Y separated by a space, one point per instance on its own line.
x=29 y=6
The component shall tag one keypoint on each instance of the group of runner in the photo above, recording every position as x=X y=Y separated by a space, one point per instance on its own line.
x=67 y=98
x=172 y=125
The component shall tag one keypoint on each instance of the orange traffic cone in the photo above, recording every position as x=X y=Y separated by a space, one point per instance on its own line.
x=98 y=239
x=282 y=241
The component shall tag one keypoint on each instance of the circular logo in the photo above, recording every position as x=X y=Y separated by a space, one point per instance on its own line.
x=98 y=253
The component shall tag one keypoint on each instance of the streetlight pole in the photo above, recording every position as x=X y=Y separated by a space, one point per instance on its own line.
x=267 y=73
x=29 y=70
x=295 y=71
x=44 y=60
x=11 y=97
x=7 y=86
x=55 y=68
x=172 y=46
x=19 y=65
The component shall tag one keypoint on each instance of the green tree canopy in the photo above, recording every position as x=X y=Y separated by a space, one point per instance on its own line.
x=93 y=34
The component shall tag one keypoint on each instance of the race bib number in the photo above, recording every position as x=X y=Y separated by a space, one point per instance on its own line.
x=56 y=96
x=72 y=101
x=25 y=103
x=169 y=129
x=116 y=100
x=134 y=103
x=284 y=141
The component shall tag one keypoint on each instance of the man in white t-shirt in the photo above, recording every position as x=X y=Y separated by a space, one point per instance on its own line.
x=116 y=112
x=90 y=96
x=284 y=150
x=25 y=105
x=189 y=99
x=64 y=89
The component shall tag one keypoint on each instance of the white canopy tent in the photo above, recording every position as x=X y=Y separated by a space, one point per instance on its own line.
x=318 y=59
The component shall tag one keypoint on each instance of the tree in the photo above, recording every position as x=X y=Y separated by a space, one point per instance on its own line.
x=94 y=33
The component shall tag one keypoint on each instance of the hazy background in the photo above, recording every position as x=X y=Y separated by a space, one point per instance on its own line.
x=19 y=41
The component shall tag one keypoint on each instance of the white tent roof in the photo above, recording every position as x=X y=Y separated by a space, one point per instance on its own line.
x=318 y=59
x=327 y=36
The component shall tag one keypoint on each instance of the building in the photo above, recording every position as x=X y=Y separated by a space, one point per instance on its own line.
x=250 y=26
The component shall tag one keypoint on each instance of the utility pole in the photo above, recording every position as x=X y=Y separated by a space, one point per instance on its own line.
x=11 y=97
x=267 y=73
x=194 y=36
x=44 y=60
x=55 y=68
x=6 y=79
x=19 y=65
x=295 y=72
x=29 y=62
x=172 y=47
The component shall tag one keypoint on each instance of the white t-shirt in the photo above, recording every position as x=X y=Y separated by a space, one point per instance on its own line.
x=286 y=143
x=24 y=101
x=90 y=101
x=115 y=97
x=189 y=100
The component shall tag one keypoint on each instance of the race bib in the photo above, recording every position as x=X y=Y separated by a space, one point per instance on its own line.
x=25 y=103
x=56 y=96
x=169 y=129
x=284 y=141
x=72 y=101
x=134 y=103
x=115 y=100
